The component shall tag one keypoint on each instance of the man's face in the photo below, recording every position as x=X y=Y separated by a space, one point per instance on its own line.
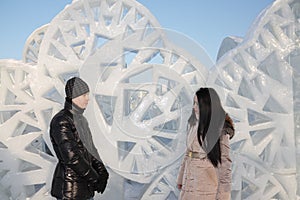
x=82 y=101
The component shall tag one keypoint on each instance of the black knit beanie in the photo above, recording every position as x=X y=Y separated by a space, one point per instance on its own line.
x=76 y=87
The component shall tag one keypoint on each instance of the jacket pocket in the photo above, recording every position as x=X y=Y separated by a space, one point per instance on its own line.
x=202 y=177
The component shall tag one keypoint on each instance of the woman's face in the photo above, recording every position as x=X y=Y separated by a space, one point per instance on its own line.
x=196 y=106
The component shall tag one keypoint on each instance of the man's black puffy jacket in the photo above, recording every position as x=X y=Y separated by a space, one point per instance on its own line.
x=77 y=172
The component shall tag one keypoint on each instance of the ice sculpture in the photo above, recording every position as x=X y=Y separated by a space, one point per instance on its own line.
x=32 y=45
x=25 y=167
x=142 y=85
x=258 y=80
x=129 y=64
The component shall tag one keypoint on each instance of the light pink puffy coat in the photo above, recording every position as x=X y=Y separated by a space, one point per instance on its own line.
x=200 y=180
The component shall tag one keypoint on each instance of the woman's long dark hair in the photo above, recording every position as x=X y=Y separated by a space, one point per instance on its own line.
x=211 y=122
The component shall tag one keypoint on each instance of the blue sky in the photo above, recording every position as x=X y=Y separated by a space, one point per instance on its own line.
x=207 y=22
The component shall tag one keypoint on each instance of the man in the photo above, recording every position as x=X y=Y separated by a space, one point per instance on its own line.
x=79 y=171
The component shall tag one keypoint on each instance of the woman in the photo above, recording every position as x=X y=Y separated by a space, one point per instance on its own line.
x=205 y=172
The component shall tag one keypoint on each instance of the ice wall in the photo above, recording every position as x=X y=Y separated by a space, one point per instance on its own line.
x=141 y=94
x=260 y=87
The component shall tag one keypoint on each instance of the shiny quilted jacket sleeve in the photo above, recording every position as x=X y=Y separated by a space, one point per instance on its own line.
x=68 y=149
x=99 y=166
